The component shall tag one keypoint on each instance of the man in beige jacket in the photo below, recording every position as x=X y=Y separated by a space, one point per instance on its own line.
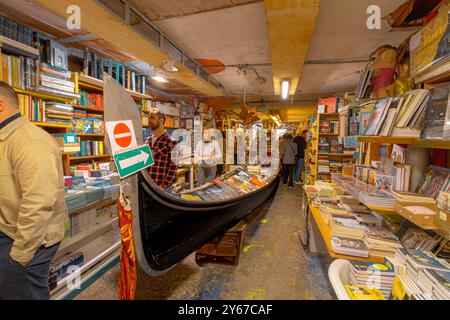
x=32 y=205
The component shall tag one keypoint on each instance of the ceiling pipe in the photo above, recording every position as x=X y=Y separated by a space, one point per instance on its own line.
x=253 y=65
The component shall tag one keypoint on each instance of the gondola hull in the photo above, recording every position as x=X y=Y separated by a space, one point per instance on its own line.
x=172 y=228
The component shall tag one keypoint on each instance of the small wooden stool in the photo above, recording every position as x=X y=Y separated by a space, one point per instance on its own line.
x=224 y=249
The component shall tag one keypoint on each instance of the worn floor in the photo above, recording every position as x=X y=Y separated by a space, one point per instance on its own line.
x=273 y=265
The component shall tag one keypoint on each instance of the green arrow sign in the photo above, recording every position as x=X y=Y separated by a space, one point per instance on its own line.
x=134 y=160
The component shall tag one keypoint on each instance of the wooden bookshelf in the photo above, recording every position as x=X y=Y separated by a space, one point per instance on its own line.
x=434 y=74
x=336 y=154
x=18 y=45
x=45 y=96
x=329 y=115
x=90 y=135
x=329 y=134
x=437 y=144
x=325 y=231
x=387 y=140
x=89 y=158
x=91 y=110
x=51 y=125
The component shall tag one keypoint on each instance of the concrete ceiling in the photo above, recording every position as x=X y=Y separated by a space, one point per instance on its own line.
x=238 y=35
x=235 y=35
x=341 y=33
x=163 y=9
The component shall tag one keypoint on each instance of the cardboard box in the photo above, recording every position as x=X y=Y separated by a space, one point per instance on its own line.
x=442 y=220
x=425 y=221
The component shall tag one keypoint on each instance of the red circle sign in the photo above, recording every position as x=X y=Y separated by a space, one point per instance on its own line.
x=122 y=135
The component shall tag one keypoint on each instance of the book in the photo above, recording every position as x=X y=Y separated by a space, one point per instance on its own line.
x=349 y=246
x=434 y=180
x=377 y=117
x=436 y=114
x=363 y=293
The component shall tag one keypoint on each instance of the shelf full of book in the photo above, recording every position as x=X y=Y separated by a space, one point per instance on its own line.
x=326 y=232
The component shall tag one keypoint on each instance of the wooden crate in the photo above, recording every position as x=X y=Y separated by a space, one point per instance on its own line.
x=224 y=249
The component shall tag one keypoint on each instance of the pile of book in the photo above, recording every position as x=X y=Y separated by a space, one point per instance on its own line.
x=62 y=267
x=349 y=246
x=323 y=164
x=56 y=81
x=381 y=242
x=347 y=227
x=336 y=145
x=324 y=145
x=377 y=198
x=233 y=184
x=373 y=275
x=335 y=166
x=58 y=113
x=425 y=277
x=68 y=142
x=418 y=239
x=19 y=72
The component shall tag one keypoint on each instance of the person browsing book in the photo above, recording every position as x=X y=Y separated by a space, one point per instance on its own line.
x=163 y=172
x=288 y=152
x=33 y=210
x=208 y=155
x=300 y=140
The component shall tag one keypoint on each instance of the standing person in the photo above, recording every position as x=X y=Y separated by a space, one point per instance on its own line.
x=163 y=172
x=300 y=140
x=288 y=153
x=209 y=155
x=33 y=210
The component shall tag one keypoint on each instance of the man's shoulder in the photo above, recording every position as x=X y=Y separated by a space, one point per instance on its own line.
x=29 y=132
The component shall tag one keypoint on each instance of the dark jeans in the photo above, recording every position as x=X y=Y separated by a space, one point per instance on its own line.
x=28 y=282
x=288 y=173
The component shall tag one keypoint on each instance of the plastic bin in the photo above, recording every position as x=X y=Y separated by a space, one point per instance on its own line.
x=339 y=275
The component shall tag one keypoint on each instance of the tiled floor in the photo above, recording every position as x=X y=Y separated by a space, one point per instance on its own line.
x=272 y=265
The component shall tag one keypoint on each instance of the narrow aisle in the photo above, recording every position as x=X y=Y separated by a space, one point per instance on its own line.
x=272 y=265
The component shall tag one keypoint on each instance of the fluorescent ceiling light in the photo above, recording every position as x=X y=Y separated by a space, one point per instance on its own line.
x=284 y=89
x=160 y=79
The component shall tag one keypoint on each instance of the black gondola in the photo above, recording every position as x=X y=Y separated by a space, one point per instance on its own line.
x=172 y=228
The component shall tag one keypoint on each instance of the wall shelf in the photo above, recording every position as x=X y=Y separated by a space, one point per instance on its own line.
x=51 y=125
x=388 y=140
x=438 y=144
x=91 y=110
x=18 y=45
x=46 y=96
x=89 y=158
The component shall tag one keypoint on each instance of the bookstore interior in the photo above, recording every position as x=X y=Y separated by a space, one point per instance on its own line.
x=203 y=146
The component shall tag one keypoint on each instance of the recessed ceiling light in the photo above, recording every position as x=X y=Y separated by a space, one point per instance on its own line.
x=160 y=79
x=285 y=89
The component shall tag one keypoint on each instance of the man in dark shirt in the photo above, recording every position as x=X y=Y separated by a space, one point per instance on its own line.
x=300 y=140
x=163 y=172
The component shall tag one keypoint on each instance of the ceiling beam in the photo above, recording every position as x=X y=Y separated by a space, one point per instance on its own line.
x=97 y=20
x=290 y=26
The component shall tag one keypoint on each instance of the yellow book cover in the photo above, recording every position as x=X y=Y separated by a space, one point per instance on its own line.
x=399 y=291
x=363 y=293
x=100 y=148
x=191 y=197
x=5 y=68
